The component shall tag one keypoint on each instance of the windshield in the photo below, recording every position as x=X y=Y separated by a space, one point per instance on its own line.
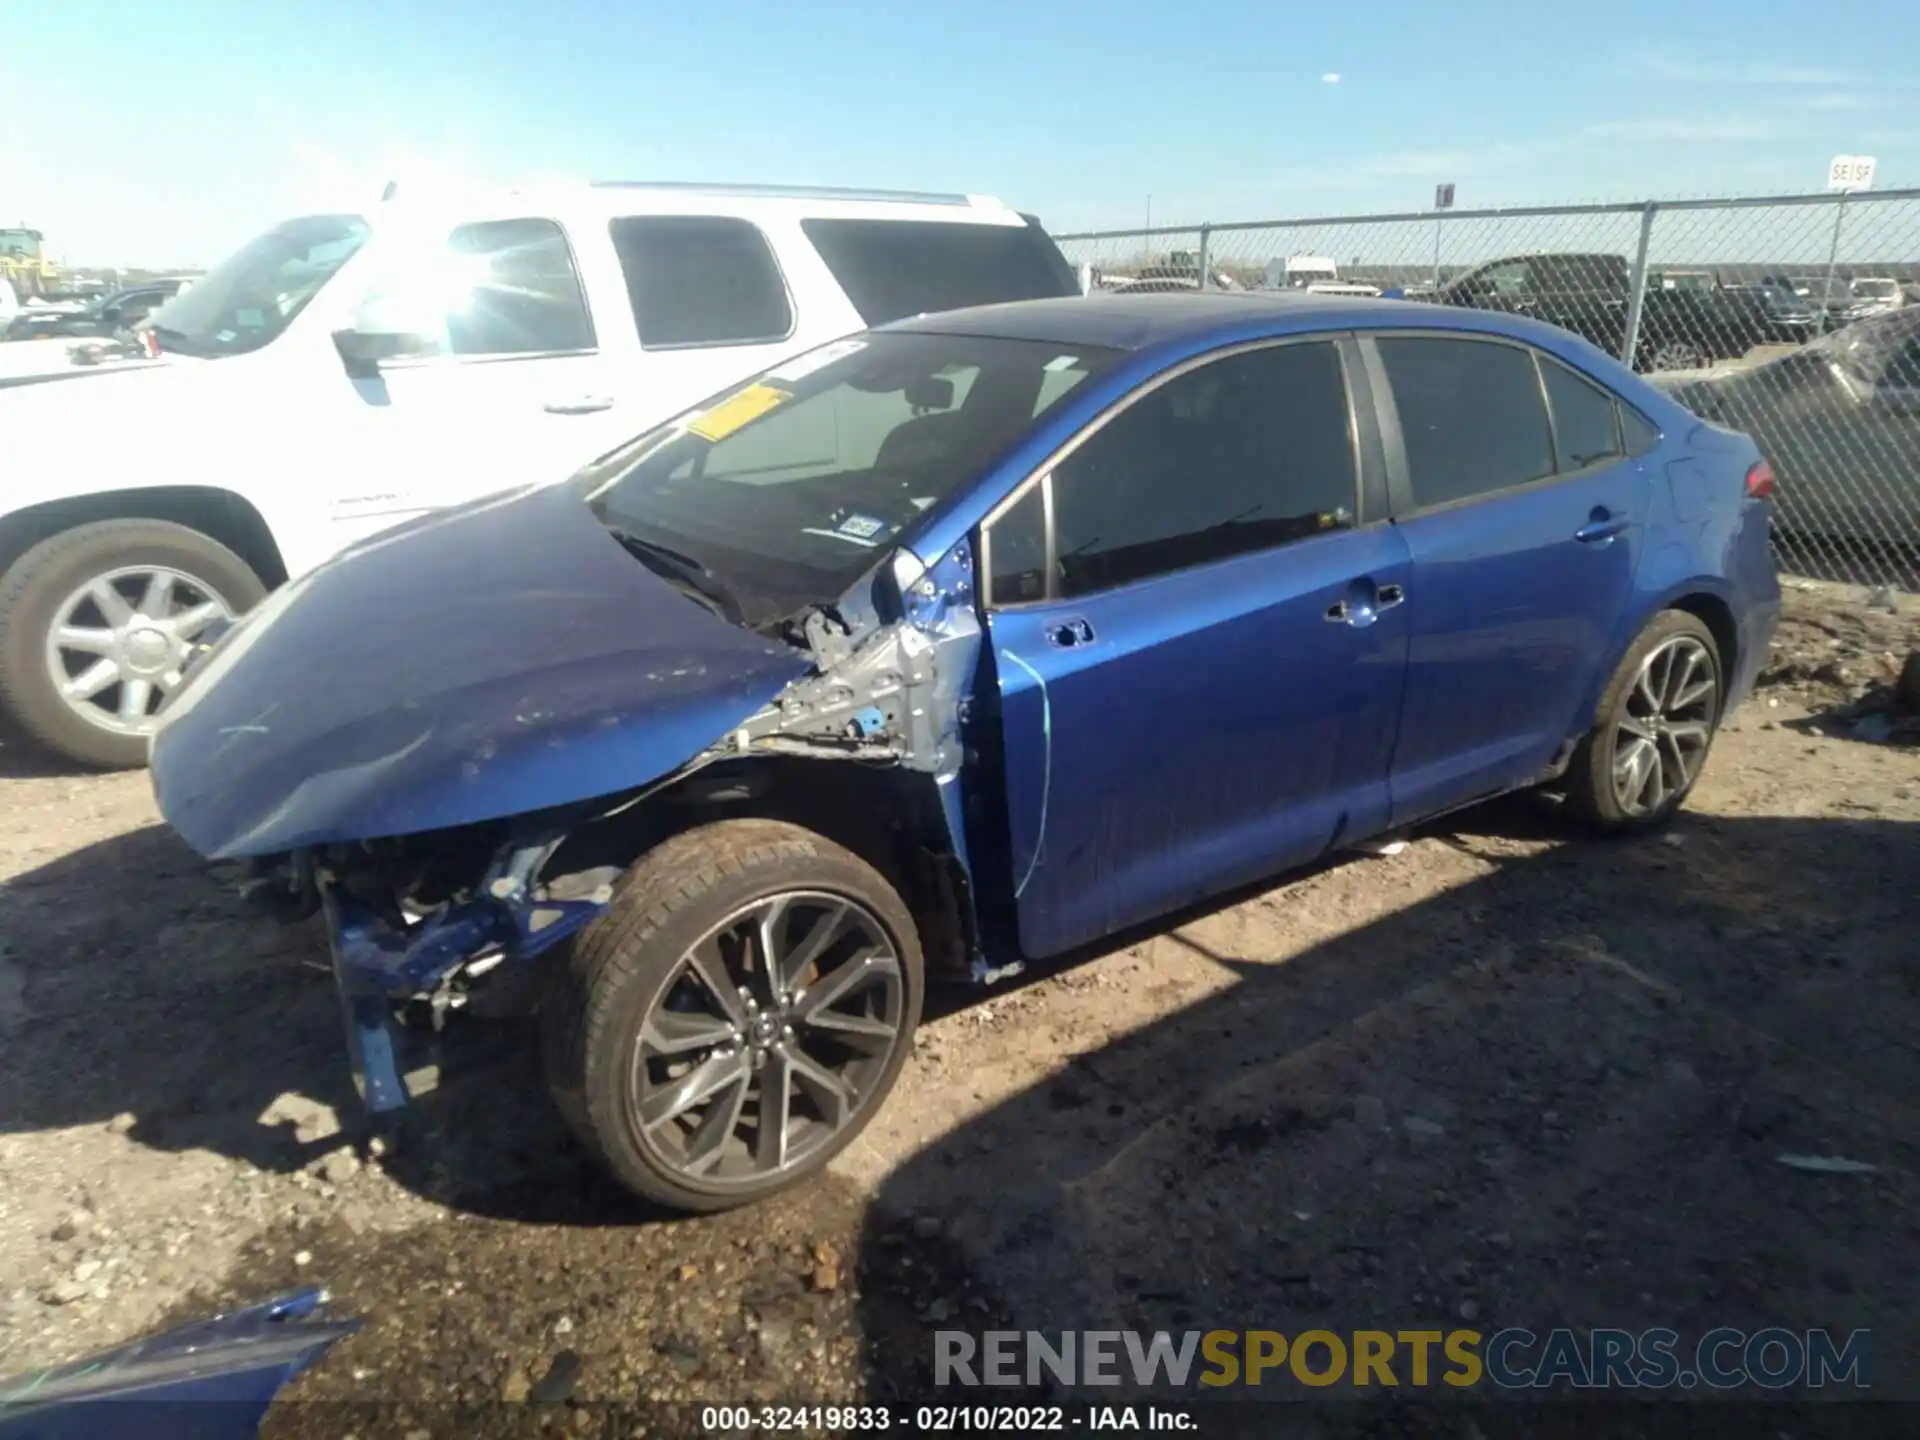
x=1875 y=289
x=249 y=298
x=783 y=492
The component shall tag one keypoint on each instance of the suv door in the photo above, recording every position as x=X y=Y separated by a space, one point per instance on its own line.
x=509 y=385
x=1197 y=640
x=1523 y=516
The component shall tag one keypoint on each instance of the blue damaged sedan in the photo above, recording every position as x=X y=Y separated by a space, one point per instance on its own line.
x=952 y=646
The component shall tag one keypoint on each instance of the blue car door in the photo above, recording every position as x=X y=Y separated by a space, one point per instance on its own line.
x=1523 y=517
x=1198 y=634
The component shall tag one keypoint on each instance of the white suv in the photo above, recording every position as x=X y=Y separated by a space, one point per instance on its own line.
x=343 y=372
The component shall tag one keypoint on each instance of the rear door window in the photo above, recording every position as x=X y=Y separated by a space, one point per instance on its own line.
x=1584 y=429
x=1471 y=416
x=894 y=268
x=701 y=280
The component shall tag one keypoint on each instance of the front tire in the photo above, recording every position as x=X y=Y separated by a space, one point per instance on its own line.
x=96 y=624
x=1635 y=768
x=736 y=1017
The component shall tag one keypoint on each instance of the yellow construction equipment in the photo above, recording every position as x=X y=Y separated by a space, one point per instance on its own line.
x=23 y=261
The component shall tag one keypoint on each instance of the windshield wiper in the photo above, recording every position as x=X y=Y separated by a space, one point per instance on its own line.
x=683 y=571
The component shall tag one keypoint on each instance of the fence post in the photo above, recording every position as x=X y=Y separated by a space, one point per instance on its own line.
x=1637 y=286
x=1833 y=254
x=1205 y=232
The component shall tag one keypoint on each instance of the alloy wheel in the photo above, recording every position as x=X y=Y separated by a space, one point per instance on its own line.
x=1664 y=726
x=119 y=644
x=1678 y=355
x=768 y=1038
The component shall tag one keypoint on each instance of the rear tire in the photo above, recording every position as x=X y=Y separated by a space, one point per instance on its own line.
x=37 y=598
x=1656 y=722
x=634 y=1024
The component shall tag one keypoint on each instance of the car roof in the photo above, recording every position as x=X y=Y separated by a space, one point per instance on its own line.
x=597 y=201
x=1190 y=319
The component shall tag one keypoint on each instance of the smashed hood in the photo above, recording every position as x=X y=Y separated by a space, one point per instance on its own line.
x=481 y=662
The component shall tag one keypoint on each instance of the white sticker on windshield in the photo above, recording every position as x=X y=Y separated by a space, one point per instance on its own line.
x=1061 y=362
x=840 y=535
x=802 y=366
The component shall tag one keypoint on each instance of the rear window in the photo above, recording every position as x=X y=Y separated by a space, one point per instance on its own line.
x=894 y=268
x=701 y=280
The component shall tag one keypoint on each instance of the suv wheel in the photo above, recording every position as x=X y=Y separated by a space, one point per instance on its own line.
x=1635 y=768
x=96 y=623
x=737 y=1016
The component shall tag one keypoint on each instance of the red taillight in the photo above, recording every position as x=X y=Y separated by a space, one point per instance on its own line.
x=1760 y=481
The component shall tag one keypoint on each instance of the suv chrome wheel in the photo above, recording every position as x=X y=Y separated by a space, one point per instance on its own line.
x=768 y=1038
x=118 y=643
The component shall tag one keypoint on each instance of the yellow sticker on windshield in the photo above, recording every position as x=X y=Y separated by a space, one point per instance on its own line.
x=738 y=411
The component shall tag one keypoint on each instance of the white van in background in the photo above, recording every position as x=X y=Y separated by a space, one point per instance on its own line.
x=343 y=372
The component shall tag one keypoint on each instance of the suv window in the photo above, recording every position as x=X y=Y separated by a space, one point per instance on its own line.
x=518 y=291
x=1510 y=277
x=1584 y=432
x=1246 y=453
x=701 y=280
x=894 y=268
x=1580 y=274
x=1471 y=416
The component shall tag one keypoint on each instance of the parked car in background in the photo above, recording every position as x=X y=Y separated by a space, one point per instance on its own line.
x=1875 y=293
x=1681 y=328
x=343 y=372
x=1832 y=303
x=1109 y=605
x=1839 y=420
x=105 y=315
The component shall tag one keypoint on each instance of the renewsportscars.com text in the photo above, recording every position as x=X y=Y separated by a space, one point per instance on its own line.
x=1509 y=1359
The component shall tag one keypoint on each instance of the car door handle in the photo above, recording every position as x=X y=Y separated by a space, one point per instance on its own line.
x=1070 y=634
x=1601 y=526
x=1363 y=603
x=579 y=405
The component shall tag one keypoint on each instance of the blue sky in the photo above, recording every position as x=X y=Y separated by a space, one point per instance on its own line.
x=167 y=137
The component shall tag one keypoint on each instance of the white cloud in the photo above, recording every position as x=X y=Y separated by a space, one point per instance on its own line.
x=1703 y=72
x=1696 y=130
x=1332 y=77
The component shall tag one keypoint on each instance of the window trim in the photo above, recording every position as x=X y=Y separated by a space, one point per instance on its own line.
x=1399 y=471
x=1370 y=496
x=501 y=357
x=773 y=258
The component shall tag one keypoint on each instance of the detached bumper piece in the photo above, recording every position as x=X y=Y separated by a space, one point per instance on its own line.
x=379 y=966
x=213 y=1378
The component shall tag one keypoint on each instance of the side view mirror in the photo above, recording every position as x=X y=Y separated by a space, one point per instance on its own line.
x=361 y=351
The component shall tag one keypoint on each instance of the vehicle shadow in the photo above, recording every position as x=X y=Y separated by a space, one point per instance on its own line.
x=22 y=759
x=1555 y=1095
x=153 y=999
x=153 y=995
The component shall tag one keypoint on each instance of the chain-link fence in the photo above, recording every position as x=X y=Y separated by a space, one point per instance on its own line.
x=1795 y=318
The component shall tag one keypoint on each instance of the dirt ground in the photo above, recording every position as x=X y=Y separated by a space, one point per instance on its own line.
x=1507 y=1076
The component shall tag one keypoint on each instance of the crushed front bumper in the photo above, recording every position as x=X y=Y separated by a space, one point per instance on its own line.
x=379 y=967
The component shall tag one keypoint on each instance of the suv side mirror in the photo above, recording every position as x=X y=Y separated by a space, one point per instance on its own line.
x=361 y=351
x=385 y=326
